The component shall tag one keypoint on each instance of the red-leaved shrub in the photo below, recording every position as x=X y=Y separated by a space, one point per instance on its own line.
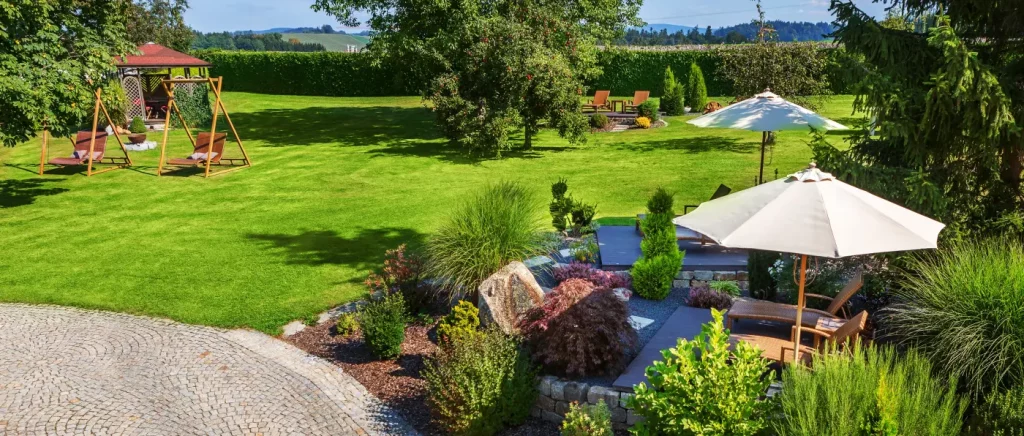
x=580 y=330
x=704 y=297
x=600 y=278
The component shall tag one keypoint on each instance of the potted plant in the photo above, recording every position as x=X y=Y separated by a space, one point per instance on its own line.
x=138 y=129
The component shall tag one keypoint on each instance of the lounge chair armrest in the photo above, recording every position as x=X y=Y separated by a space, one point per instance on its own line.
x=819 y=296
x=813 y=331
x=819 y=312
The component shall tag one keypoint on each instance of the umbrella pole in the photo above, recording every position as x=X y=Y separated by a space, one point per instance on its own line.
x=799 y=309
x=760 y=173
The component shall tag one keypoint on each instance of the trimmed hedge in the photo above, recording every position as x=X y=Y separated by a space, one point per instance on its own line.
x=354 y=75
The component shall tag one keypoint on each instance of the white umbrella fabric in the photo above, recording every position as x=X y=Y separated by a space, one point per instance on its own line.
x=811 y=213
x=765 y=112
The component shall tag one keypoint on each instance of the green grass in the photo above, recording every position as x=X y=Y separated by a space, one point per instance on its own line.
x=335 y=182
x=332 y=42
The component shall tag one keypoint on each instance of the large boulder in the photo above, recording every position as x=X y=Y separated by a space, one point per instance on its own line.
x=507 y=294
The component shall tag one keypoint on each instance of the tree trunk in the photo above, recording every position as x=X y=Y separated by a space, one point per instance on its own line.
x=1012 y=165
x=528 y=143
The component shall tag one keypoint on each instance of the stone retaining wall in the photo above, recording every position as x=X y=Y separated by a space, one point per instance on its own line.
x=687 y=279
x=556 y=395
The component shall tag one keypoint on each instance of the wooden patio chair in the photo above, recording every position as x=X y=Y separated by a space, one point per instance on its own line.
x=781 y=349
x=639 y=97
x=722 y=191
x=201 y=151
x=599 y=102
x=786 y=313
x=711 y=107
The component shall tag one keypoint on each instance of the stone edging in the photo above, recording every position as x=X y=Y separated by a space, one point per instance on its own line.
x=556 y=394
x=687 y=279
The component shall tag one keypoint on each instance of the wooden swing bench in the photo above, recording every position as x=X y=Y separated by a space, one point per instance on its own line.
x=90 y=146
x=207 y=147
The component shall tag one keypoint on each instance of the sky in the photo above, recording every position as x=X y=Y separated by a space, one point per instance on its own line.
x=231 y=15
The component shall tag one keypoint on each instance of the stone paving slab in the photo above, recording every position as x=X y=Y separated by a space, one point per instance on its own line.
x=72 y=371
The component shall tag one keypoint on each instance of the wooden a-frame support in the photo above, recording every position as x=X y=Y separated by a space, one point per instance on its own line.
x=218 y=106
x=127 y=160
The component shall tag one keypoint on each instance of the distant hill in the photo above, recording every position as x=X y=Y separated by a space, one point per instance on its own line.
x=330 y=41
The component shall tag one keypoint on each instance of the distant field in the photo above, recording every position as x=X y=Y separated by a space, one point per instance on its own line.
x=332 y=42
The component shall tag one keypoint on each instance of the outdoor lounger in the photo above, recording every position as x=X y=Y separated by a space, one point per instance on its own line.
x=781 y=349
x=201 y=151
x=81 y=153
x=683 y=233
x=599 y=102
x=786 y=313
x=639 y=97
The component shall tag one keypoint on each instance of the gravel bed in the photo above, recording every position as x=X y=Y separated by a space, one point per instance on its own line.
x=659 y=311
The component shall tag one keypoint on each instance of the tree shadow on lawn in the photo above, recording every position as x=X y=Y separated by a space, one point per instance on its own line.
x=325 y=247
x=345 y=126
x=14 y=193
x=700 y=144
x=444 y=151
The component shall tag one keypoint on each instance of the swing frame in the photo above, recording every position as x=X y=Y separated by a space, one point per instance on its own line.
x=218 y=106
x=117 y=162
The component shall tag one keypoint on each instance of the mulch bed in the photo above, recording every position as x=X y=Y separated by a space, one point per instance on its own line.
x=397 y=383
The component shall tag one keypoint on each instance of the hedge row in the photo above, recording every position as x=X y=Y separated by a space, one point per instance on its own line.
x=352 y=74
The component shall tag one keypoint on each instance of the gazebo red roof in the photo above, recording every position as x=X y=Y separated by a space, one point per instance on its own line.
x=158 y=56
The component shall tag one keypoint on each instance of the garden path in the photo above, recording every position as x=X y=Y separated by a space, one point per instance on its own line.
x=72 y=371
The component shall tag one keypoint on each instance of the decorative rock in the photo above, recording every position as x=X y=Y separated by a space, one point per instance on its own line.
x=551 y=416
x=558 y=390
x=742 y=275
x=623 y=294
x=535 y=262
x=698 y=283
x=598 y=393
x=293 y=328
x=535 y=412
x=545 y=384
x=576 y=392
x=774 y=389
x=639 y=322
x=545 y=403
x=561 y=408
x=619 y=426
x=725 y=275
x=685 y=275
x=507 y=295
x=624 y=399
x=619 y=414
x=676 y=284
x=704 y=275
x=632 y=418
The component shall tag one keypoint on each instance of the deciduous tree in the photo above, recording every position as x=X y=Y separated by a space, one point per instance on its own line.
x=497 y=68
x=47 y=50
x=159 y=21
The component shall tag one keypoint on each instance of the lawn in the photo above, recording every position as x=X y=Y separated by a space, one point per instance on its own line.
x=335 y=182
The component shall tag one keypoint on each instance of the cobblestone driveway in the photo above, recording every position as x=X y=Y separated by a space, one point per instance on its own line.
x=70 y=371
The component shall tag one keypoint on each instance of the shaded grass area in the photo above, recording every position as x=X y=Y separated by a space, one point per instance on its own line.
x=335 y=182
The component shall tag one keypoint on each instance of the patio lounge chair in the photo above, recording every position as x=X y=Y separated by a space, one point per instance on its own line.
x=200 y=153
x=786 y=313
x=639 y=97
x=683 y=233
x=81 y=153
x=599 y=102
x=722 y=191
x=781 y=349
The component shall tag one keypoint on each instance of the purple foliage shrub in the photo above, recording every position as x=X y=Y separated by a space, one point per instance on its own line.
x=704 y=297
x=600 y=279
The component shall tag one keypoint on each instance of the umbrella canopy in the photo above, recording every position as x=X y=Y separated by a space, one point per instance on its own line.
x=812 y=214
x=766 y=112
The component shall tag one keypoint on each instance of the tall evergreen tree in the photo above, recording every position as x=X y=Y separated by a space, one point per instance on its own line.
x=696 y=90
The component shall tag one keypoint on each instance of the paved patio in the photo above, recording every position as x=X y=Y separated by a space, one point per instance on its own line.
x=71 y=371
x=620 y=248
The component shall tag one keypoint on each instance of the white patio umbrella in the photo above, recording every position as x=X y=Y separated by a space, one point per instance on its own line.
x=811 y=213
x=765 y=112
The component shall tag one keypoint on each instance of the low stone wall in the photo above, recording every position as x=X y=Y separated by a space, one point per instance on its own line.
x=687 y=279
x=556 y=395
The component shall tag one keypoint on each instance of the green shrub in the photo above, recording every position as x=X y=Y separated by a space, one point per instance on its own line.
x=649 y=110
x=652 y=277
x=383 y=324
x=463 y=321
x=346 y=324
x=116 y=102
x=481 y=385
x=696 y=91
x=702 y=387
x=659 y=236
x=499 y=225
x=588 y=420
x=599 y=121
x=963 y=308
x=1002 y=414
x=672 y=94
x=137 y=125
x=567 y=211
x=661 y=202
x=728 y=287
x=193 y=102
x=868 y=391
x=762 y=285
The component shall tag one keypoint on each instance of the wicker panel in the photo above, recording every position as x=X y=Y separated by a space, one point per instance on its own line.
x=136 y=103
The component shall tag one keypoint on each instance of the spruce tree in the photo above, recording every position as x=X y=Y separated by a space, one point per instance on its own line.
x=696 y=91
x=672 y=94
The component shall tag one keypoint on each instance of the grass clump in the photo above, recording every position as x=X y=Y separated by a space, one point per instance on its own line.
x=383 y=324
x=480 y=384
x=725 y=287
x=868 y=391
x=499 y=225
x=963 y=309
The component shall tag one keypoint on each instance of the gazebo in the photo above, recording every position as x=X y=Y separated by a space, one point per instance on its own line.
x=141 y=77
